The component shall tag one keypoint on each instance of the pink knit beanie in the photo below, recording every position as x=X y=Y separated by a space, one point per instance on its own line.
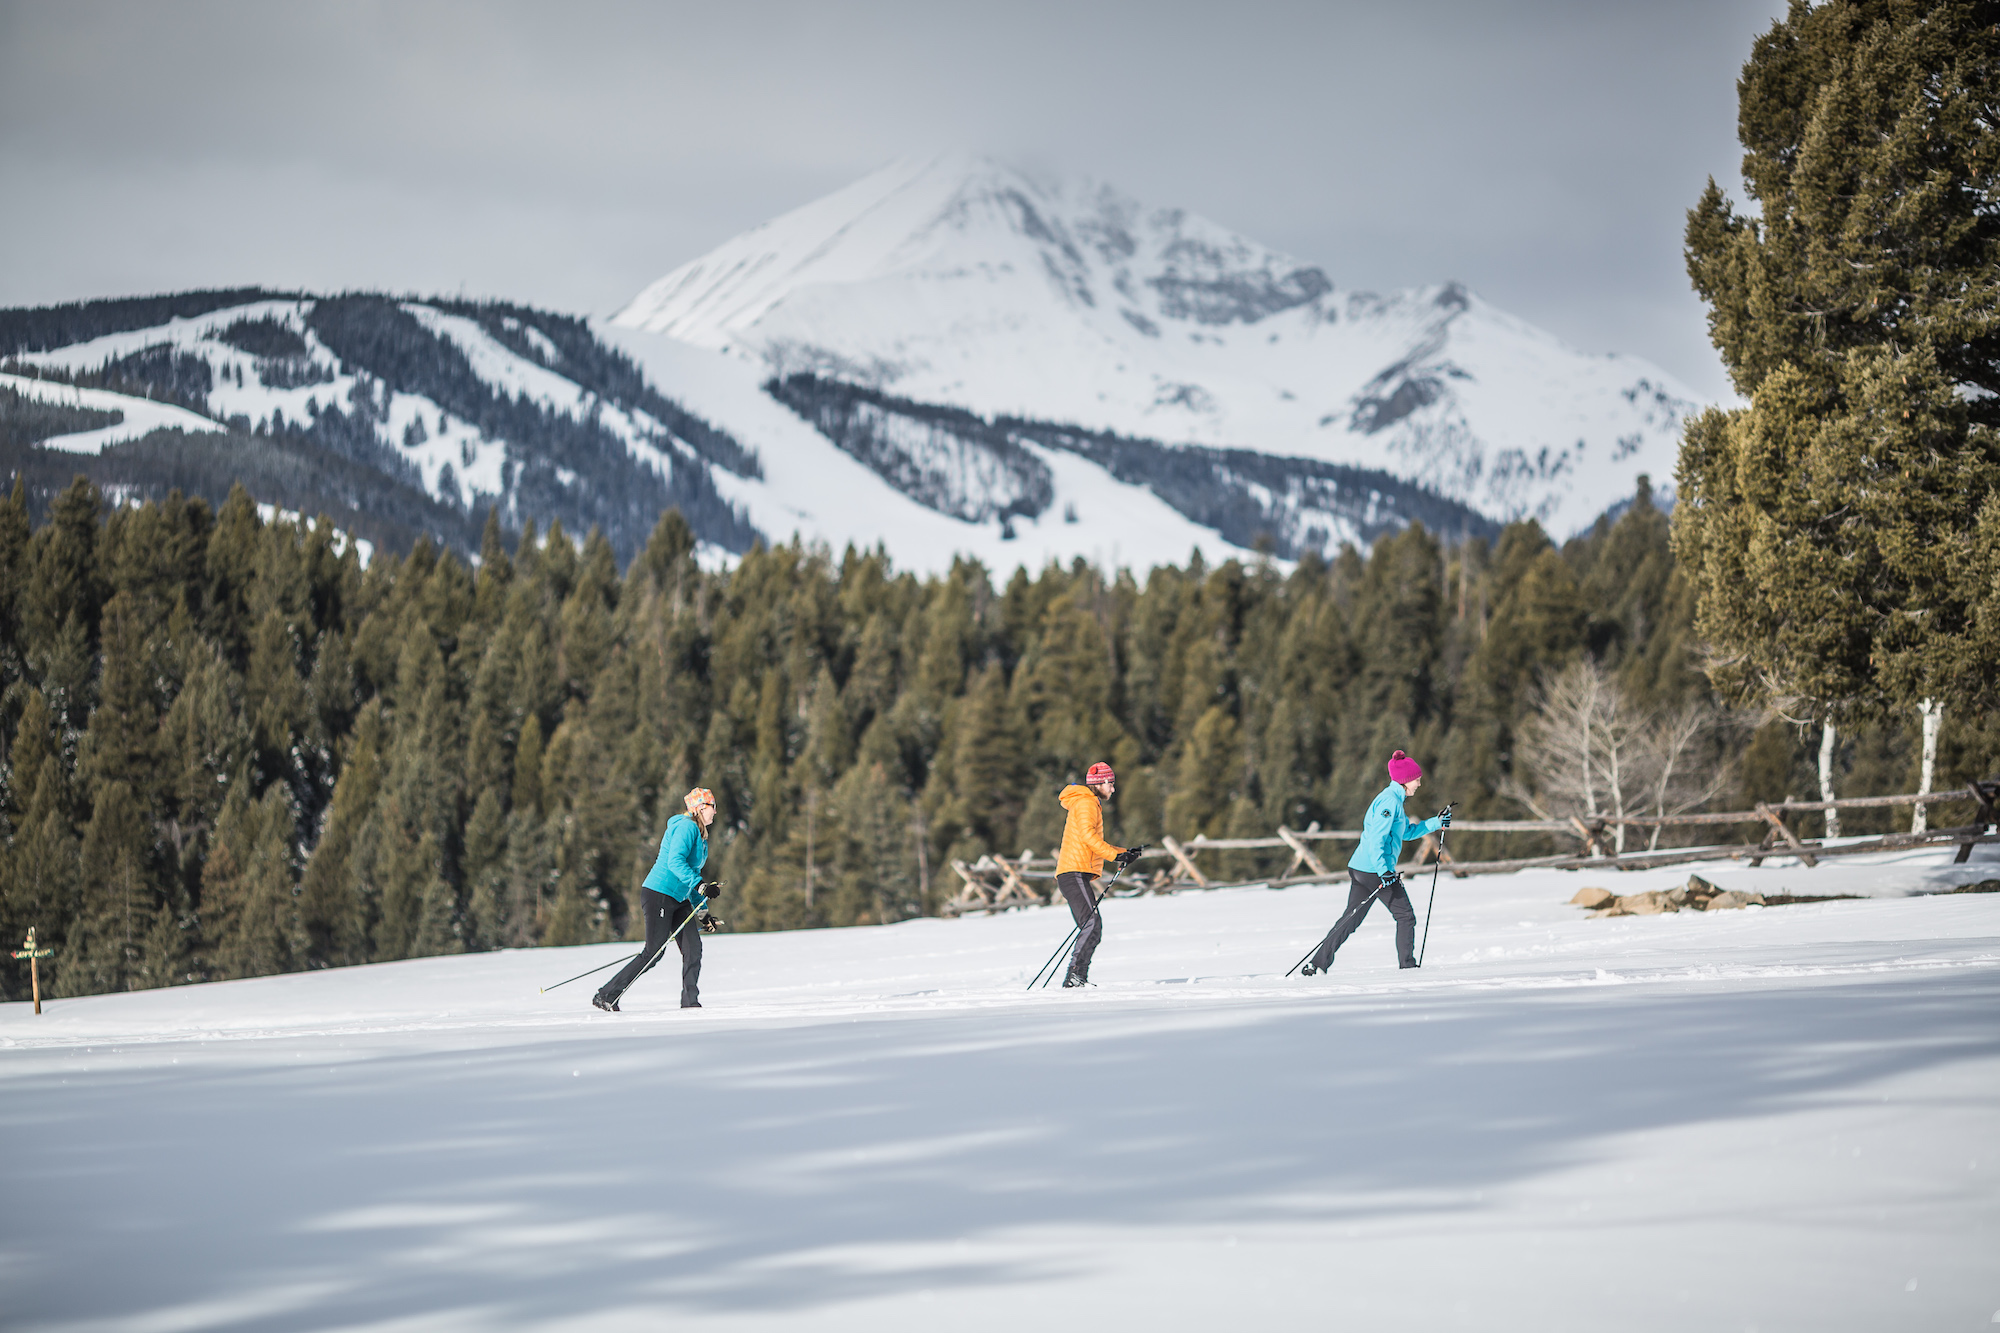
x=1402 y=768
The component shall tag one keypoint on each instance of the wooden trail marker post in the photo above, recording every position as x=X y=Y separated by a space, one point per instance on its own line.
x=34 y=957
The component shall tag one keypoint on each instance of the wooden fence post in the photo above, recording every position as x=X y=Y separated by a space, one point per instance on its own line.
x=973 y=895
x=1014 y=889
x=1988 y=792
x=1182 y=859
x=1301 y=852
x=1588 y=832
x=1778 y=826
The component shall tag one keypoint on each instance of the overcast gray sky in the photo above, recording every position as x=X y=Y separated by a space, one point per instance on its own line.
x=566 y=154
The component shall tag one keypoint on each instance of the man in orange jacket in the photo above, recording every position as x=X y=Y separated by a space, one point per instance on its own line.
x=1084 y=852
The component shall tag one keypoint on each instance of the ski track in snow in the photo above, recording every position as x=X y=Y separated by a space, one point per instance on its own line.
x=1775 y=1119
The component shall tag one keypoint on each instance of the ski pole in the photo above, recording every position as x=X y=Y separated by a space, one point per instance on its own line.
x=1361 y=907
x=1435 y=867
x=593 y=971
x=693 y=912
x=614 y=962
x=1057 y=954
x=1095 y=913
x=1074 y=929
x=1049 y=967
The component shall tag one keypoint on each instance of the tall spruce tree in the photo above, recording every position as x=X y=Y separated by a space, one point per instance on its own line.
x=1832 y=529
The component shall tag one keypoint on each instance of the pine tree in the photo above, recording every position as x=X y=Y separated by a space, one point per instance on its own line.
x=988 y=772
x=488 y=914
x=231 y=568
x=527 y=795
x=39 y=874
x=260 y=929
x=107 y=945
x=1207 y=777
x=335 y=901
x=61 y=601
x=15 y=534
x=1832 y=527
x=586 y=615
x=124 y=732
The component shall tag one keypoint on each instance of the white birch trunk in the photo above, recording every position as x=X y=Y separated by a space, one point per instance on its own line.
x=1933 y=712
x=1826 y=779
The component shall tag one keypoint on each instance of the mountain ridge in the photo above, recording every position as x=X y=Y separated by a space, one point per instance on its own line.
x=401 y=416
x=960 y=281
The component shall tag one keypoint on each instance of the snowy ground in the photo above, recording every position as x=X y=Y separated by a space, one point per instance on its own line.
x=1772 y=1119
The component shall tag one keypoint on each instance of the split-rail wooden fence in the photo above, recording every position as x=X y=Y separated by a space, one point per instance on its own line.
x=996 y=883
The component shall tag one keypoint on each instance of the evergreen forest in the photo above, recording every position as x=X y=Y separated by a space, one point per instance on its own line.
x=227 y=748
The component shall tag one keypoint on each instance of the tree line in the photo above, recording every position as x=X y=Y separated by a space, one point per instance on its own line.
x=227 y=748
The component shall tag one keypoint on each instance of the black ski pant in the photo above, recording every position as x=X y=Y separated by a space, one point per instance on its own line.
x=663 y=915
x=1080 y=889
x=1364 y=889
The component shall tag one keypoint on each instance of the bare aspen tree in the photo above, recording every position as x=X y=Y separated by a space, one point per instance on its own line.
x=1826 y=743
x=1558 y=752
x=1676 y=786
x=1933 y=714
x=1587 y=752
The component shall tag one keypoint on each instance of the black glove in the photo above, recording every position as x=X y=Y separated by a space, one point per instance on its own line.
x=1129 y=855
x=712 y=890
x=1444 y=818
x=708 y=923
x=1390 y=881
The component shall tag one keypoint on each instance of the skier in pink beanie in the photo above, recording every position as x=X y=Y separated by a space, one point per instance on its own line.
x=1371 y=871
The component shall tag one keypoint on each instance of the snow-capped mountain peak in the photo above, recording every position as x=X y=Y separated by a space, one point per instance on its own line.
x=972 y=224
x=961 y=281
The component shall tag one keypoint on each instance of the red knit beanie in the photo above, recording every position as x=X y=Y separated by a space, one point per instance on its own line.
x=1402 y=768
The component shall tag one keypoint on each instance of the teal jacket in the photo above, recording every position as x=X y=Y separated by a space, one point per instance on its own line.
x=683 y=852
x=1385 y=831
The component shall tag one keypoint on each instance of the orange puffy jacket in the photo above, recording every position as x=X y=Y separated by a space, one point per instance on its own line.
x=1083 y=846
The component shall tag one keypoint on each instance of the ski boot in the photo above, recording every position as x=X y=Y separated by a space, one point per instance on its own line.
x=605 y=1002
x=1309 y=971
x=1075 y=979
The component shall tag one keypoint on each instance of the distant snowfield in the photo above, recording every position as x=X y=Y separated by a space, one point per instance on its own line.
x=813 y=490
x=142 y=416
x=1785 y=1118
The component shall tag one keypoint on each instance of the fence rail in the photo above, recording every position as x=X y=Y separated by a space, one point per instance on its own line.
x=996 y=883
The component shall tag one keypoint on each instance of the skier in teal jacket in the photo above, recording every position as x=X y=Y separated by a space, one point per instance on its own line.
x=672 y=893
x=1371 y=871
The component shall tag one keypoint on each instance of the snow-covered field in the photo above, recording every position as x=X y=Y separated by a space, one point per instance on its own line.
x=1785 y=1118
